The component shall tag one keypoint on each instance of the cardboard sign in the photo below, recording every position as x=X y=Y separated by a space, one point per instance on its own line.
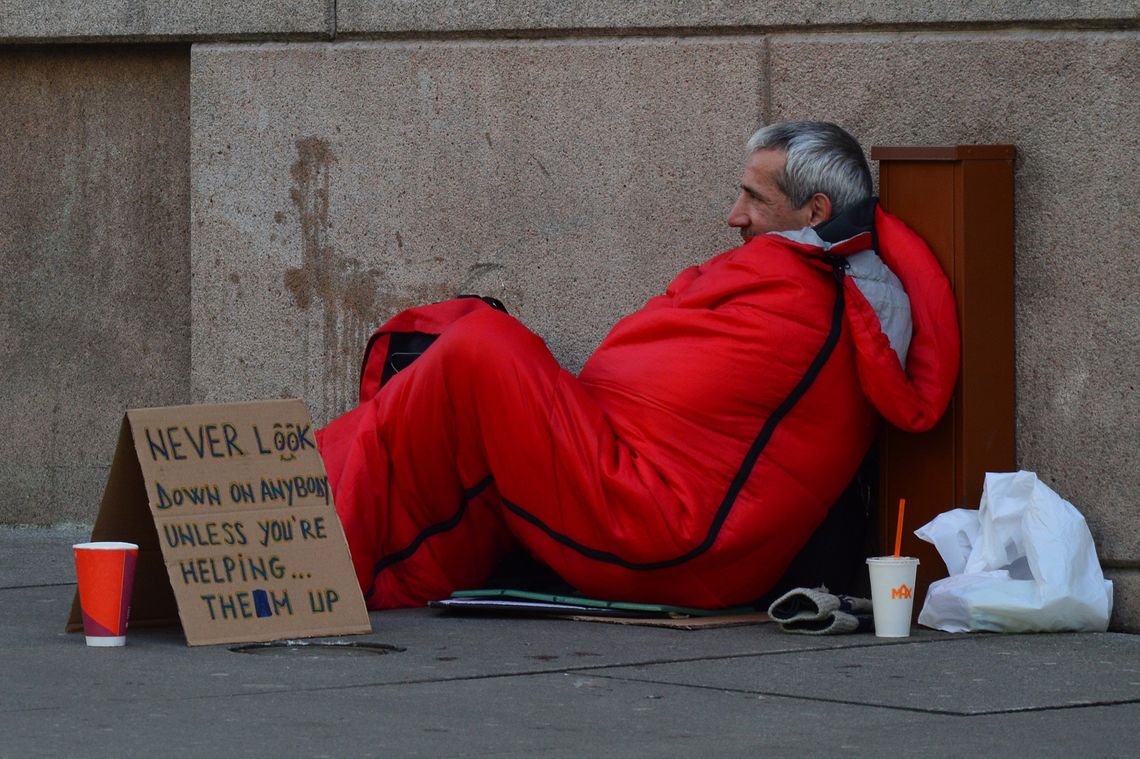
x=237 y=534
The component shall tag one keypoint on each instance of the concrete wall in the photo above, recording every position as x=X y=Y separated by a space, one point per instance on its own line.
x=1068 y=101
x=148 y=21
x=95 y=257
x=571 y=180
x=570 y=157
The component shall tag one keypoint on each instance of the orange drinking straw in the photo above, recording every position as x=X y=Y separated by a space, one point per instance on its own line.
x=898 y=530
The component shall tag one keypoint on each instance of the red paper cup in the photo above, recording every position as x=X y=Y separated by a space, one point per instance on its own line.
x=106 y=574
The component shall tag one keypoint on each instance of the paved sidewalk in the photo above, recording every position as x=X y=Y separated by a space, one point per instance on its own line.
x=464 y=686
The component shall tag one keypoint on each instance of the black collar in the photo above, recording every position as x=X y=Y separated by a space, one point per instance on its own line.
x=852 y=221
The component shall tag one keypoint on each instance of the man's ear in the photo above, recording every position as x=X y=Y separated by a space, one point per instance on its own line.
x=820 y=207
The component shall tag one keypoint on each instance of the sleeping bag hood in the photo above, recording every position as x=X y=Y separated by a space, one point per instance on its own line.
x=907 y=349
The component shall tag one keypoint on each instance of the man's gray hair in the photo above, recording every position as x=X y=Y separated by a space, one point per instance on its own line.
x=821 y=157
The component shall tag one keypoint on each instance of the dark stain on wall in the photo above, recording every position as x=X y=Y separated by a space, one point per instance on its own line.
x=343 y=290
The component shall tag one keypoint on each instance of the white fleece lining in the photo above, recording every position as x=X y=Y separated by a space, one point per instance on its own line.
x=885 y=293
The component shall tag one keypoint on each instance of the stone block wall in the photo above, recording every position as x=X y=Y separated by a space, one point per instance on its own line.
x=242 y=207
x=94 y=255
x=568 y=179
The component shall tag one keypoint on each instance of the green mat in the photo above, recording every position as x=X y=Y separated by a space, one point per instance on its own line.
x=525 y=601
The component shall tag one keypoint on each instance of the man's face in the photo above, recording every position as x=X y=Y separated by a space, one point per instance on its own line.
x=762 y=206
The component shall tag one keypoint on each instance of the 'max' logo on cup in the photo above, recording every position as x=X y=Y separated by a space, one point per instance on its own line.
x=901 y=591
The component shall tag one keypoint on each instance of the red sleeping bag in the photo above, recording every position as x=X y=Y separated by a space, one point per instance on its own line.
x=687 y=464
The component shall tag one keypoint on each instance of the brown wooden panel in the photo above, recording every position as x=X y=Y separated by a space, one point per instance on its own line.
x=920 y=468
x=943 y=153
x=984 y=292
x=960 y=200
x=922 y=194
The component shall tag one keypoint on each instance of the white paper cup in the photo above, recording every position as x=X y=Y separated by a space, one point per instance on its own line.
x=892 y=594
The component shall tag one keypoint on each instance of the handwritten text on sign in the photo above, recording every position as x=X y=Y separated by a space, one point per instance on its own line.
x=245 y=520
x=221 y=441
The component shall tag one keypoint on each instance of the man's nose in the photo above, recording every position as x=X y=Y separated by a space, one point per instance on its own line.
x=737 y=217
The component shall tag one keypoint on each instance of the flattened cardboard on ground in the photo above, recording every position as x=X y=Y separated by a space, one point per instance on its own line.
x=237 y=533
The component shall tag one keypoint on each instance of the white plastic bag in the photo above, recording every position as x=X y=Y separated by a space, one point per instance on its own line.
x=1023 y=562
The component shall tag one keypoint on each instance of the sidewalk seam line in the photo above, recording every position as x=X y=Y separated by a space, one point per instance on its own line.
x=40 y=585
x=941 y=712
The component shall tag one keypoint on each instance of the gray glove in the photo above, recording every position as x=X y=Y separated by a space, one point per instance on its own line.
x=809 y=611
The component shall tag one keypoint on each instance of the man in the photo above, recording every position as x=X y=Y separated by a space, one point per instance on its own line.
x=796 y=176
x=705 y=438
